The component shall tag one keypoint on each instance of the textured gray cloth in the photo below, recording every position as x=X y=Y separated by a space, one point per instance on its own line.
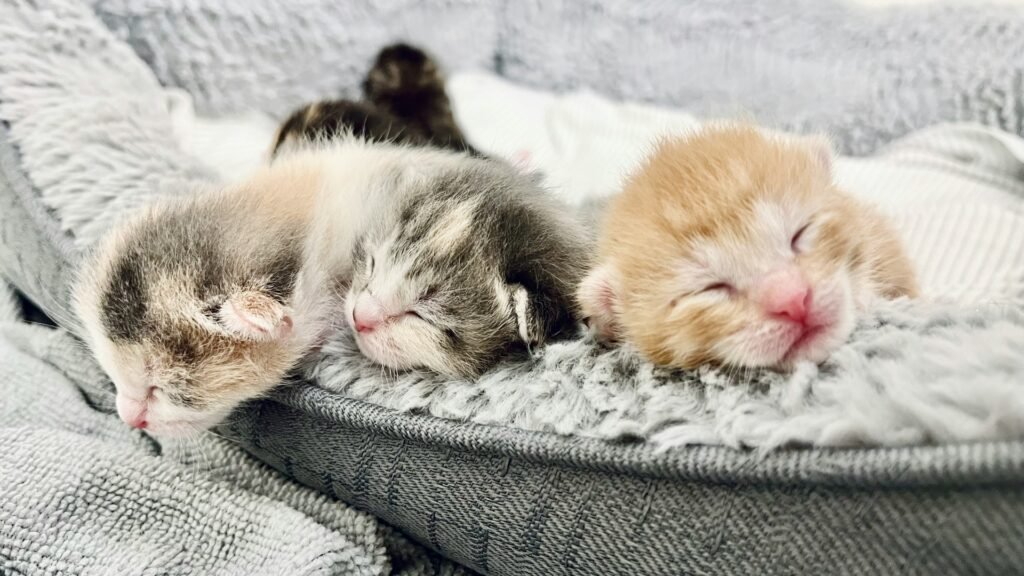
x=89 y=139
x=912 y=373
x=506 y=501
x=865 y=75
x=84 y=494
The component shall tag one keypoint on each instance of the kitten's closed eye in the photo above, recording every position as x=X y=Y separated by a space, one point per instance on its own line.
x=425 y=298
x=794 y=243
x=717 y=287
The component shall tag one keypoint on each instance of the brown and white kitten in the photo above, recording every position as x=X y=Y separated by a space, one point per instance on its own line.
x=733 y=246
x=404 y=102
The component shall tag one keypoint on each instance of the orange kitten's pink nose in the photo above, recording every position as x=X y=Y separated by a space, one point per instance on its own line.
x=368 y=313
x=788 y=295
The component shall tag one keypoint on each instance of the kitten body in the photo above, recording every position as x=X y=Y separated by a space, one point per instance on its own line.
x=404 y=102
x=733 y=246
x=437 y=259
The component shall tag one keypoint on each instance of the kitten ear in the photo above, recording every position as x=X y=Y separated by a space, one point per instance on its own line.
x=529 y=321
x=255 y=316
x=539 y=314
x=821 y=148
x=598 y=298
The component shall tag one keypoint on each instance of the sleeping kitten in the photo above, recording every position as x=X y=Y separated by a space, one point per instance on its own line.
x=445 y=261
x=404 y=102
x=733 y=246
x=454 y=258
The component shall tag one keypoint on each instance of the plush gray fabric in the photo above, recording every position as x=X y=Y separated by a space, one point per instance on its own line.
x=506 y=501
x=9 y=309
x=865 y=75
x=272 y=56
x=912 y=373
x=84 y=494
x=89 y=138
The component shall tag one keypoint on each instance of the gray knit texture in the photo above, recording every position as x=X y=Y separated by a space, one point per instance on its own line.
x=84 y=494
x=86 y=137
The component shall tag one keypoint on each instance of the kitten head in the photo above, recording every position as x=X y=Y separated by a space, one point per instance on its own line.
x=476 y=260
x=402 y=70
x=733 y=246
x=189 y=315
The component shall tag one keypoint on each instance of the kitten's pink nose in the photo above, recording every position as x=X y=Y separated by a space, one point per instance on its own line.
x=787 y=294
x=368 y=313
x=132 y=412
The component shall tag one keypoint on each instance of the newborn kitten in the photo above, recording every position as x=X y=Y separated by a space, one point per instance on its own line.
x=404 y=103
x=733 y=246
x=208 y=300
x=455 y=258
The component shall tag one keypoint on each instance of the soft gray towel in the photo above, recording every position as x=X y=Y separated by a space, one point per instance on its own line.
x=85 y=494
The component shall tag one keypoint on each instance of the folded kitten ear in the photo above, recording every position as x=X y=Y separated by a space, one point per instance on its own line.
x=255 y=316
x=528 y=319
x=598 y=297
x=538 y=314
x=821 y=148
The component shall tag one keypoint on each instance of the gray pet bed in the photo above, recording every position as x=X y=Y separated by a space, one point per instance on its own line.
x=501 y=500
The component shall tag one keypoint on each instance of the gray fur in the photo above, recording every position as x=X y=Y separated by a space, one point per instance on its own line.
x=161 y=298
x=213 y=246
x=160 y=284
x=516 y=237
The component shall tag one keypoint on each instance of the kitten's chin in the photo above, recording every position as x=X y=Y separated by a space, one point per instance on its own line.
x=184 y=427
x=817 y=343
x=814 y=345
x=381 y=351
x=375 y=347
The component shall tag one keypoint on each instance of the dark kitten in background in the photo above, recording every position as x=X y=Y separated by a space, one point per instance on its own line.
x=404 y=101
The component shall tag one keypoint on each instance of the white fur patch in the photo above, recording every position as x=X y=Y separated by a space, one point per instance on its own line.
x=741 y=261
x=521 y=299
x=453 y=227
x=501 y=295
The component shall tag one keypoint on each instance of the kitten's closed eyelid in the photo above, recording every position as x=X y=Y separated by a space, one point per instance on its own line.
x=796 y=237
x=717 y=287
x=713 y=288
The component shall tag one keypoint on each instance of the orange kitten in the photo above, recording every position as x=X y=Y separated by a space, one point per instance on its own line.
x=732 y=245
